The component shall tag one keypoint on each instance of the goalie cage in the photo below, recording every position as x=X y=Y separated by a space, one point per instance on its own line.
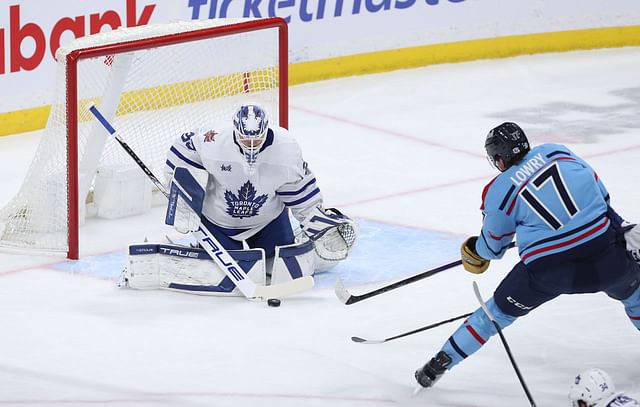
x=155 y=83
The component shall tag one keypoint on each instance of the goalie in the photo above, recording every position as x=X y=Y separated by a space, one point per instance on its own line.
x=253 y=176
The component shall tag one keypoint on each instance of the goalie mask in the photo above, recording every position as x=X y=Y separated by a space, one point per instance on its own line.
x=250 y=125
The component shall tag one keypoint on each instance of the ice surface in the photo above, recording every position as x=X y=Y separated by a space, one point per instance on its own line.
x=402 y=152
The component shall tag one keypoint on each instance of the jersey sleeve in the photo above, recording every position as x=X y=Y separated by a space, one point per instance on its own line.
x=498 y=228
x=497 y=233
x=300 y=193
x=183 y=153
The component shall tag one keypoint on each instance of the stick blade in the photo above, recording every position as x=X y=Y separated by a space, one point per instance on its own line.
x=358 y=339
x=295 y=286
x=341 y=292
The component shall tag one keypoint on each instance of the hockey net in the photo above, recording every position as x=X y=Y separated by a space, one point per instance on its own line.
x=154 y=83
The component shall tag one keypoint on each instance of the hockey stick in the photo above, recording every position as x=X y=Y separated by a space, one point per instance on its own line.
x=206 y=239
x=504 y=343
x=348 y=298
x=358 y=339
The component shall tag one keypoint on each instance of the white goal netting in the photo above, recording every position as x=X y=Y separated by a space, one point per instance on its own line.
x=152 y=94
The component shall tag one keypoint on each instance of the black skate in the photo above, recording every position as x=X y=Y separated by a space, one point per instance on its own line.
x=433 y=370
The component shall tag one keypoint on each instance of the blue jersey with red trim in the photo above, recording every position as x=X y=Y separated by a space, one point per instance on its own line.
x=550 y=202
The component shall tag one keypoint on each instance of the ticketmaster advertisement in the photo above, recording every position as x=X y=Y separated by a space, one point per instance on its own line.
x=31 y=30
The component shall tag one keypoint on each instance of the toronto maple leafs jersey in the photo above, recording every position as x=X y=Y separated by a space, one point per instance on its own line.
x=241 y=198
x=551 y=201
x=619 y=400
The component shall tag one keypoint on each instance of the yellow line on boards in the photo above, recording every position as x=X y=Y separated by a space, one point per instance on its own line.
x=462 y=51
x=383 y=61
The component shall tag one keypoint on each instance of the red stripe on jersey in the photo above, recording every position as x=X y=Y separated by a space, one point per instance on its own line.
x=486 y=189
x=501 y=237
x=565 y=159
x=515 y=198
x=568 y=242
x=634 y=318
x=475 y=334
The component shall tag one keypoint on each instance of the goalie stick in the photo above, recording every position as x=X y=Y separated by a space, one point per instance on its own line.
x=504 y=343
x=348 y=298
x=213 y=248
x=358 y=339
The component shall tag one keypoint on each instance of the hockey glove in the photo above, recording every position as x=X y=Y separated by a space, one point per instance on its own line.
x=632 y=237
x=186 y=220
x=333 y=233
x=184 y=208
x=471 y=261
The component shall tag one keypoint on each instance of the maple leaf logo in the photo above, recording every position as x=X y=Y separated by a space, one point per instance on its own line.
x=251 y=124
x=245 y=204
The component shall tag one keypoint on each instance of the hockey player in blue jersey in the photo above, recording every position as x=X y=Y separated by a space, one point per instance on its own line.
x=569 y=240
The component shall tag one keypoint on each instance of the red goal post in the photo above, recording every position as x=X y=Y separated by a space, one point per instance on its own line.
x=154 y=82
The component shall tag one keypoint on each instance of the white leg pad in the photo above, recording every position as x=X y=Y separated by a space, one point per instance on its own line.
x=186 y=269
x=293 y=261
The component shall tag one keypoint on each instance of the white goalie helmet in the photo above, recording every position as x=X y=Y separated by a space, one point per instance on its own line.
x=591 y=387
x=250 y=124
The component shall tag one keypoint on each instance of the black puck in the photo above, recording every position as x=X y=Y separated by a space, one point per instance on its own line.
x=273 y=302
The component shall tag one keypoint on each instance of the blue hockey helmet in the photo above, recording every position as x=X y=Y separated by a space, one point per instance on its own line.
x=250 y=124
x=508 y=143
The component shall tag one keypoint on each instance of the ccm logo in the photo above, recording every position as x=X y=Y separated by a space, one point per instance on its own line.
x=20 y=32
x=517 y=304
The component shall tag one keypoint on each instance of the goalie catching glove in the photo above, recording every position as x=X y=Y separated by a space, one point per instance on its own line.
x=471 y=261
x=333 y=234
